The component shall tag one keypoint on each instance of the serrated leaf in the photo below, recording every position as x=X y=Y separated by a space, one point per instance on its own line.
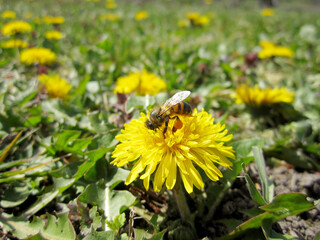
x=94 y=194
x=78 y=145
x=282 y=206
x=20 y=227
x=66 y=137
x=98 y=235
x=15 y=195
x=59 y=228
x=117 y=223
x=115 y=176
x=61 y=184
x=96 y=123
x=119 y=202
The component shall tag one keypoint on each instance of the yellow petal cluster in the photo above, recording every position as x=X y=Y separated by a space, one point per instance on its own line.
x=110 y=17
x=8 y=14
x=16 y=27
x=257 y=97
x=14 y=43
x=267 y=12
x=56 y=87
x=39 y=55
x=269 y=50
x=53 y=20
x=53 y=35
x=199 y=143
x=142 y=83
x=141 y=15
x=197 y=20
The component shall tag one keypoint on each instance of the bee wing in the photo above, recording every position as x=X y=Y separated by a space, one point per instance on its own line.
x=174 y=100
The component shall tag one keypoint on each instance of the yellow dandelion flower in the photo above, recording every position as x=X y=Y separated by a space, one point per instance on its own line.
x=269 y=50
x=28 y=15
x=199 y=142
x=141 y=82
x=280 y=51
x=266 y=53
x=111 y=5
x=192 y=15
x=267 y=44
x=14 y=43
x=201 y=21
x=267 y=12
x=56 y=87
x=53 y=20
x=16 y=27
x=110 y=17
x=8 y=14
x=197 y=20
x=184 y=23
x=53 y=35
x=141 y=15
x=257 y=97
x=42 y=56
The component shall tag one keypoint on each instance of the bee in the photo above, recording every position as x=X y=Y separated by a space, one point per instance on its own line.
x=173 y=105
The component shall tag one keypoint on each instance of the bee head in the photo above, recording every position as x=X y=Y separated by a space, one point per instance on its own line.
x=150 y=125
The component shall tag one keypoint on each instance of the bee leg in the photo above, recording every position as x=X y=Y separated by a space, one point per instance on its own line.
x=166 y=122
x=176 y=126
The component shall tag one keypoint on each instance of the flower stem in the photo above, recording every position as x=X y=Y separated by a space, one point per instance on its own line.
x=181 y=201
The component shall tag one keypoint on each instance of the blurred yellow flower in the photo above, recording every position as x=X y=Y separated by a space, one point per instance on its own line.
x=257 y=97
x=8 y=14
x=110 y=17
x=199 y=142
x=141 y=82
x=53 y=20
x=141 y=15
x=269 y=49
x=202 y=21
x=56 y=87
x=192 y=15
x=28 y=15
x=36 y=55
x=208 y=2
x=111 y=5
x=14 y=43
x=16 y=27
x=184 y=23
x=197 y=20
x=53 y=35
x=267 y=12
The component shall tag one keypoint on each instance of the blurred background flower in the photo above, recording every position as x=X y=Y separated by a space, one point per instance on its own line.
x=14 y=43
x=16 y=27
x=53 y=20
x=8 y=15
x=269 y=50
x=267 y=12
x=38 y=55
x=257 y=97
x=56 y=87
x=142 y=83
x=141 y=15
x=53 y=35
